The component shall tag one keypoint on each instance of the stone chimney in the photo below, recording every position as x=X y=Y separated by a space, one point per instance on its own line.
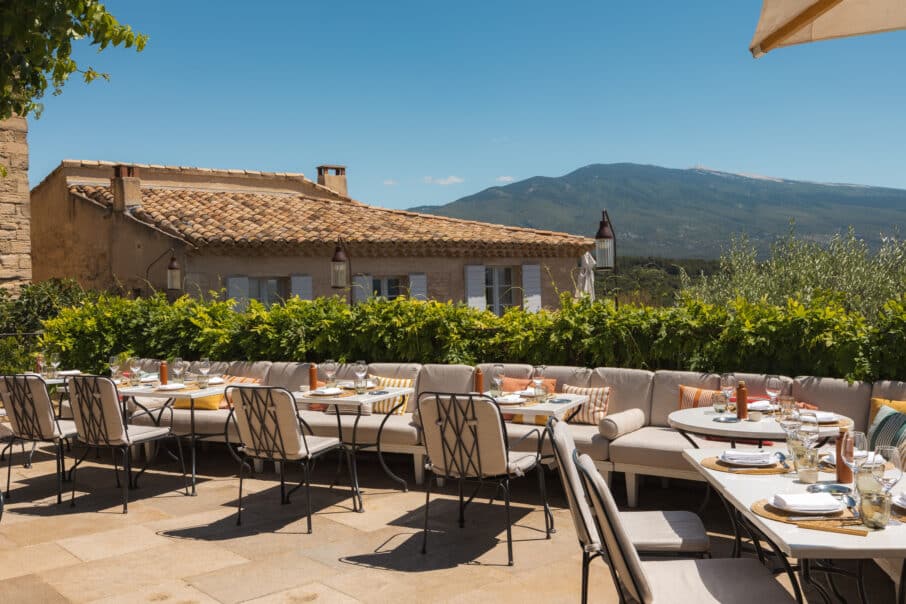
x=334 y=178
x=126 y=187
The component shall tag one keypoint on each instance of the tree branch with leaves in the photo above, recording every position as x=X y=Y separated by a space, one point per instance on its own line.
x=36 y=38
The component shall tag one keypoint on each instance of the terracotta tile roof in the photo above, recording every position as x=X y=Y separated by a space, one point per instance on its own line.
x=293 y=223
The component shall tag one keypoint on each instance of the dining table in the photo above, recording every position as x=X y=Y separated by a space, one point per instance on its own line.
x=813 y=543
x=157 y=392
x=346 y=401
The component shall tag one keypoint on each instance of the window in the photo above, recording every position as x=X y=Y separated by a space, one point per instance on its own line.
x=498 y=281
x=268 y=290
x=389 y=287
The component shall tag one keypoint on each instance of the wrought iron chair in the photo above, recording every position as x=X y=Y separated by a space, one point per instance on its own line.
x=271 y=429
x=651 y=532
x=690 y=580
x=466 y=440
x=99 y=420
x=31 y=417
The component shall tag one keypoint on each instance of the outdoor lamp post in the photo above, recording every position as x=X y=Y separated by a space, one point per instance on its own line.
x=174 y=275
x=606 y=250
x=339 y=268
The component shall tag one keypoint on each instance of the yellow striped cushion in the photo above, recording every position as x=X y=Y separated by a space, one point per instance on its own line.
x=877 y=403
x=690 y=397
x=215 y=401
x=387 y=405
x=595 y=409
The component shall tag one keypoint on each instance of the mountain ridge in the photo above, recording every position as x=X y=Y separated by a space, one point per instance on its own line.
x=683 y=212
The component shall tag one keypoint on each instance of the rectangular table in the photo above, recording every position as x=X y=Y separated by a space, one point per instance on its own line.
x=742 y=490
x=362 y=404
x=152 y=392
x=557 y=406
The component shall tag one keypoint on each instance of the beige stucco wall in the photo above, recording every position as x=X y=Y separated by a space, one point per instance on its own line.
x=15 y=248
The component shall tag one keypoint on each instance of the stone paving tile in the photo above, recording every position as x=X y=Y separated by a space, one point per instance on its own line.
x=29 y=589
x=254 y=579
x=166 y=592
x=307 y=593
x=33 y=559
x=113 y=543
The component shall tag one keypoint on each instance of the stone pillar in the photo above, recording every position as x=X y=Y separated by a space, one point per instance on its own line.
x=15 y=240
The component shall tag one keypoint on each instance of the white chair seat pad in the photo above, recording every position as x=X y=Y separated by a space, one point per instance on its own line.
x=666 y=531
x=718 y=581
x=140 y=434
x=67 y=428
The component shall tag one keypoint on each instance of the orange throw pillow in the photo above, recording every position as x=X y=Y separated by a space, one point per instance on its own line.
x=691 y=397
x=516 y=384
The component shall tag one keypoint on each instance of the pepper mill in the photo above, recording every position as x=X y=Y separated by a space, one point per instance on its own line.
x=742 y=401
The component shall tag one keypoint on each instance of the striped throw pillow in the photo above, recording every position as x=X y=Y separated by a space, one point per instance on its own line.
x=877 y=403
x=889 y=428
x=388 y=405
x=595 y=409
x=691 y=397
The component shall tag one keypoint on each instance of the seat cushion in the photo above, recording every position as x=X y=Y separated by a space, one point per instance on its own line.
x=719 y=580
x=666 y=531
x=398 y=430
x=520 y=462
x=207 y=423
x=67 y=428
x=588 y=440
x=315 y=445
x=653 y=446
x=629 y=388
x=665 y=394
x=139 y=434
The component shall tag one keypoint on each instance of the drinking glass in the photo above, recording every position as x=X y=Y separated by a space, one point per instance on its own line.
x=789 y=419
x=497 y=380
x=874 y=508
x=885 y=454
x=135 y=366
x=204 y=366
x=176 y=367
x=53 y=358
x=728 y=384
x=360 y=369
x=854 y=450
x=114 y=364
x=719 y=402
x=809 y=429
x=330 y=370
x=772 y=387
x=538 y=378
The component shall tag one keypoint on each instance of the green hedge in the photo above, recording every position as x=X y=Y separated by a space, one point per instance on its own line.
x=822 y=339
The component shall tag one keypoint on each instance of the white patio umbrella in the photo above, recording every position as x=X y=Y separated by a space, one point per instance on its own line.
x=789 y=22
x=585 y=285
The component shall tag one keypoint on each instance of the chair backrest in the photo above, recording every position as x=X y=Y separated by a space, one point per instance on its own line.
x=267 y=422
x=583 y=519
x=97 y=411
x=624 y=559
x=28 y=406
x=464 y=435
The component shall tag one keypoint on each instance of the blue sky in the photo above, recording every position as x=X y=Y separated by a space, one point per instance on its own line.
x=426 y=102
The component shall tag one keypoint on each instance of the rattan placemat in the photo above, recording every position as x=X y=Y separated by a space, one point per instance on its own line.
x=714 y=463
x=839 y=522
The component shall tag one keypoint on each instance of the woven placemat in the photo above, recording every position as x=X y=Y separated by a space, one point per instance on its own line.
x=714 y=463
x=839 y=522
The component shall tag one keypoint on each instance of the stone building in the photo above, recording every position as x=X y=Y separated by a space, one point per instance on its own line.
x=15 y=251
x=267 y=236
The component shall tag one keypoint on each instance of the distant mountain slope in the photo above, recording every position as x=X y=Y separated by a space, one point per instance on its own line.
x=683 y=213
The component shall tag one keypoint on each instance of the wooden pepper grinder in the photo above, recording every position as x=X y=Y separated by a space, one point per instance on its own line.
x=163 y=373
x=844 y=472
x=312 y=376
x=479 y=381
x=742 y=400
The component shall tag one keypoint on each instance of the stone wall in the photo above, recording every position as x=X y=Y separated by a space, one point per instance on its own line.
x=15 y=242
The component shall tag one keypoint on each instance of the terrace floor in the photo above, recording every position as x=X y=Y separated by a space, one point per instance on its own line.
x=170 y=548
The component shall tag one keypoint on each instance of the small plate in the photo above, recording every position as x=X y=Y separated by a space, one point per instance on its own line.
x=750 y=464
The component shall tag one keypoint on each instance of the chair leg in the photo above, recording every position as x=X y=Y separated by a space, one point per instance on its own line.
x=127 y=471
x=632 y=489
x=182 y=463
x=418 y=464
x=548 y=516
x=586 y=560
x=307 y=471
x=239 y=502
x=429 y=479
x=116 y=468
x=61 y=469
x=283 y=498
x=462 y=507
x=9 y=468
x=509 y=527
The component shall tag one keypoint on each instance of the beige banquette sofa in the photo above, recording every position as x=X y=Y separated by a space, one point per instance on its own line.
x=634 y=438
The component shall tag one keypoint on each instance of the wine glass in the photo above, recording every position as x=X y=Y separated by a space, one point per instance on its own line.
x=809 y=430
x=204 y=366
x=176 y=367
x=330 y=370
x=135 y=366
x=54 y=359
x=538 y=377
x=728 y=387
x=114 y=363
x=497 y=379
x=886 y=454
x=360 y=369
x=773 y=386
x=789 y=420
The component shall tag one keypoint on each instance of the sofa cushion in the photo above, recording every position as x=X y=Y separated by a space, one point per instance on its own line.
x=837 y=395
x=592 y=411
x=877 y=403
x=407 y=371
x=653 y=446
x=568 y=375
x=515 y=370
x=252 y=369
x=397 y=431
x=588 y=440
x=207 y=423
x=287 y=375
x=756 y=384
x=443 y=378
x=889 y=389
x=665 y=391
x=386 y=406
x=691 y=398
x=615 y=425
x=888 y=429
x=630 y=388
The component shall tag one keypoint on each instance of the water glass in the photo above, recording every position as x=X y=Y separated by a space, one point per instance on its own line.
x=809 y=428
x=807 y=466
x=888 y=477
x=874 y=508
x=719 y=402
x=538 y=379
x=361 y=385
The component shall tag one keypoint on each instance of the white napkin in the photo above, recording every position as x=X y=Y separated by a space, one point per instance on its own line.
x=149 y=378
x=741 y=456
x=509 y=398
x=819 y=503
x=760 y=405
x=826 y=417
x=900 y=500
x=831 y=458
